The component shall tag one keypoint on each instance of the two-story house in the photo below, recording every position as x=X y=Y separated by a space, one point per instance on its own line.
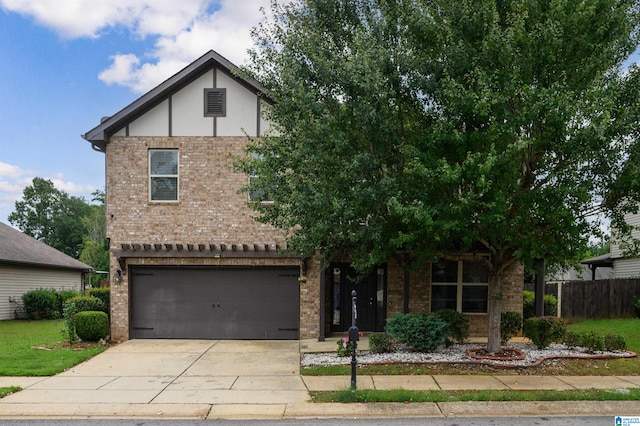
x=188 y=260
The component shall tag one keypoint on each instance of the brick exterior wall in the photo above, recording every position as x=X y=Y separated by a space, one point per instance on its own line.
x=210 y=211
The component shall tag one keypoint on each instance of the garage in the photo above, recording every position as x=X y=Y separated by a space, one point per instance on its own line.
x=214 y=303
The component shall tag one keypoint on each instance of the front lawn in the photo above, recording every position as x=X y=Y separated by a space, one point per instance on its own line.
x=37 y=348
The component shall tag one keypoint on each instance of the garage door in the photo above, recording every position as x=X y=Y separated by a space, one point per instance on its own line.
x=221 y=303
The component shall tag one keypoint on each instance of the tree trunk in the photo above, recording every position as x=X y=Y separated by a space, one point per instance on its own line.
x=495 y=308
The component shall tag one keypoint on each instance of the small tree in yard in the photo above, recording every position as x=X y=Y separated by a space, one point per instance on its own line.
x=448 y=129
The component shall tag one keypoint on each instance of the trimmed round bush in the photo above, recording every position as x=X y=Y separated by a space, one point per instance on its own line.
x=457 y=323
x=42 y=303
x=91 y=326
x=423 y=333
x=82 y=303
x=79 y=304
x=544 y=330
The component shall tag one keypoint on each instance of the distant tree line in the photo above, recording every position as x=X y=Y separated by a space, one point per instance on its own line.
x=65 y=222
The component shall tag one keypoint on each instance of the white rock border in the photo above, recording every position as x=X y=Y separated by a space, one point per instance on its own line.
x=458 y=354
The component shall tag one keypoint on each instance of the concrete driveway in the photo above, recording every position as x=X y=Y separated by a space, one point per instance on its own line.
x=156 y=375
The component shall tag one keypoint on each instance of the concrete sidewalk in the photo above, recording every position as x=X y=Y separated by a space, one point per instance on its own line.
x=199 y=379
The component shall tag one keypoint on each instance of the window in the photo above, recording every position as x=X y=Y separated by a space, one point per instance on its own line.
x=460 y=286
x=257 y=194
x=215 y=102
x=163 y=175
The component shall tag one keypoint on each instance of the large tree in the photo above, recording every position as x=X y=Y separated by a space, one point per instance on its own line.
x=453 y=130
x=52 y=216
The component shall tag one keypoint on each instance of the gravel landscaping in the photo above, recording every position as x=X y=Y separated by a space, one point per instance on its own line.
x=458 y=354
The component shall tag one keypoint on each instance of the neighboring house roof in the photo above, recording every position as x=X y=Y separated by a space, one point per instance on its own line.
x=19 y=248
x=99 y=135
x=604 y=260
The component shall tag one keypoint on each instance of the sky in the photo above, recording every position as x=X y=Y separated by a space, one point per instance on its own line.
x=64 y=64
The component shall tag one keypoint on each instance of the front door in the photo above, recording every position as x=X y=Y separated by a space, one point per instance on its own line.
x=371 y=297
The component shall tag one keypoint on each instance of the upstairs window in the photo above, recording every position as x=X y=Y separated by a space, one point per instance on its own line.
x=163 y=175
x=257 y=194
x=215 y=102
x=459 y=286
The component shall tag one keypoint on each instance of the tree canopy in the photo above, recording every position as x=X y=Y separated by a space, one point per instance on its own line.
x=64 y=222
x=448 y=129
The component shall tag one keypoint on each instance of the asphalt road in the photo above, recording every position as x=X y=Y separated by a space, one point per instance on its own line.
x=485 y=421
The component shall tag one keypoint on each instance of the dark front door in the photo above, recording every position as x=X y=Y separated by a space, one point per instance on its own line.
x=371 y=296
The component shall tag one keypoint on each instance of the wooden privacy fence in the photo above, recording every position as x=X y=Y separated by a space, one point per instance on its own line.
x=595 y=299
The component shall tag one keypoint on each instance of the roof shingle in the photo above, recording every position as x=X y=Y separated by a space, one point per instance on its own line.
x=19 y=248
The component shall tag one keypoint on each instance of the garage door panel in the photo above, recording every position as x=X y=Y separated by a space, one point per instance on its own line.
x=257 y=303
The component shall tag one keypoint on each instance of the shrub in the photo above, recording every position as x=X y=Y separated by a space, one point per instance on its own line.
x=550 y=305
x=63 y=296
x=381 y=343
x=529 y=305
x=75 y=305
x=41 y=303
x=573 y=339
x=82 y=303
x=103 y=294
x=345 y=347
x=636 y=307
x=615 y=342
x=458 y=325
x=91 y=326
x=510 y=325
x=592 y=341
x=544 y=330
x=423 y=333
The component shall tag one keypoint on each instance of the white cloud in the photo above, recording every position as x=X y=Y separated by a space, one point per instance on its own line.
x=227 y=31
x=71 y=188
x=11 y=171
x=182 y=31
x=87 y=18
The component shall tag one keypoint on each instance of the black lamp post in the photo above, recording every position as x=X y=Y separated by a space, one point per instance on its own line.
x=354 y=336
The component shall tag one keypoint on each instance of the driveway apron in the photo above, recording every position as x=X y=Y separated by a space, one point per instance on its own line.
x=160 y=372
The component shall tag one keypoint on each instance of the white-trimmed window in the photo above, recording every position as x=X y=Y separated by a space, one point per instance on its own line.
x=460 y=286
x=163 y=175
x=257 y=194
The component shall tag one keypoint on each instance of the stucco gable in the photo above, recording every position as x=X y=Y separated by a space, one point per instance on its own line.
x=99 y=135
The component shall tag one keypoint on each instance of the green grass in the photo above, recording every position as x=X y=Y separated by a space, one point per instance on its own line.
x=37 y=348
x=8 y=391
x=629 y=328
x=405 y=396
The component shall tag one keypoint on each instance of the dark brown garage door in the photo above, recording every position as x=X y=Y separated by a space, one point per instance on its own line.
x=220 y=303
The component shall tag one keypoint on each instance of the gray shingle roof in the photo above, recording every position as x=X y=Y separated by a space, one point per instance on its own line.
x=19 y=248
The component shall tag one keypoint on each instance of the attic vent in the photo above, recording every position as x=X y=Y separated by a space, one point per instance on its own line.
x=215 y=101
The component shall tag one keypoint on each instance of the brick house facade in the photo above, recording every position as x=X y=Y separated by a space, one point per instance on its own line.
x=188 y=260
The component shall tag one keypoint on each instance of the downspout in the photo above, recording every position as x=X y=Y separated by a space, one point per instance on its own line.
x=323 y=277
x=405 y=282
